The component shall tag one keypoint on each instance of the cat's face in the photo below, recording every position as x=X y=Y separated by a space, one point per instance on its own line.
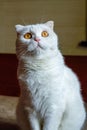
x=36 y=39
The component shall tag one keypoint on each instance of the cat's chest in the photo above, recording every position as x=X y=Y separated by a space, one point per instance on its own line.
x=37 y=75
x=44 y=89
x=40 y=79
x=40 y=83
x=43 y=84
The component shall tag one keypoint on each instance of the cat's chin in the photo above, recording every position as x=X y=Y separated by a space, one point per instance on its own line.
x=36 y=51
x=37 y=47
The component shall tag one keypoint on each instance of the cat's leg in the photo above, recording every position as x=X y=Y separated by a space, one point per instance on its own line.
x=73 y=118
x=27 y=120
x=34 y=121
x=52 y=120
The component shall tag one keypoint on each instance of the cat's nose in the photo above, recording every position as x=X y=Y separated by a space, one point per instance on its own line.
x=37 y=39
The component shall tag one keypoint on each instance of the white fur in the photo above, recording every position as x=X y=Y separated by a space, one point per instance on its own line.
x=50 y=92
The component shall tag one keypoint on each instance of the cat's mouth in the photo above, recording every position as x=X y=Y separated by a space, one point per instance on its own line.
x=38 y=45
x=36 y=48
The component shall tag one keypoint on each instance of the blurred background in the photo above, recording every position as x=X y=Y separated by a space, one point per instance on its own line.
x=69 y=17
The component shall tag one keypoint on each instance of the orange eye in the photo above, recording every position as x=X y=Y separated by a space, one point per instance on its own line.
x=44 y=34
x=28 y=36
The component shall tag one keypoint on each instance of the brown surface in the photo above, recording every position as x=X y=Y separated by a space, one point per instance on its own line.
x=8 y=109
x=79 y=66
x=8 y=73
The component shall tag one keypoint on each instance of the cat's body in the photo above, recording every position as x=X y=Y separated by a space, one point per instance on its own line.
x=50 y=92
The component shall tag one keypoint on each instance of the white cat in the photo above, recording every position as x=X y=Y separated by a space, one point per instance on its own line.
x=50 y=96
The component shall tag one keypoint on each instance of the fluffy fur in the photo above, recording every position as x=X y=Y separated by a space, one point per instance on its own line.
x=50 y=96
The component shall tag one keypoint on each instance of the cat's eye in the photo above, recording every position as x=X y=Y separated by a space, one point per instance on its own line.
x=28 y=36
x=44 y=34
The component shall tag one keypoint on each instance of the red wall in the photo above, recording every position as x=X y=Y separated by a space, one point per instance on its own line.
x=8 y=68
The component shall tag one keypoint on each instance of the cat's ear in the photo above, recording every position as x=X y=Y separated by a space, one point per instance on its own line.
x=50 y=24
x=19 y=28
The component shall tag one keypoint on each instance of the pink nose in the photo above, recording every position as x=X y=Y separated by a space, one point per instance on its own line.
x=37 y=39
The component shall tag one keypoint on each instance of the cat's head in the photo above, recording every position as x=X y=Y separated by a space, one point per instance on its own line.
x=37 y=39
